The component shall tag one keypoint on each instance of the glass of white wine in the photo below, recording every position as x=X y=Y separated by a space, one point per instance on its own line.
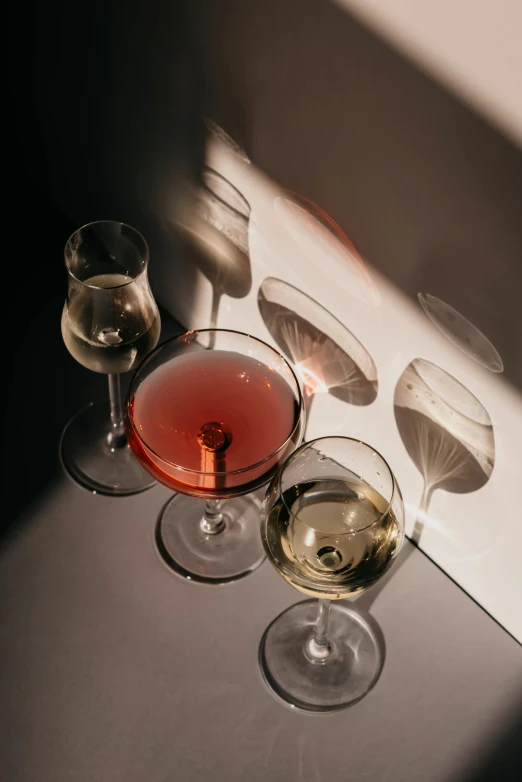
x=110 y=322
x=333 y=523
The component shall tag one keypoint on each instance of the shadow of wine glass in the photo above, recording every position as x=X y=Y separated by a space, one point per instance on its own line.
x=447 y=432
x=461 y=332
x=221 y=137
x=316 y=234
x=327 y=357
x=212 y=229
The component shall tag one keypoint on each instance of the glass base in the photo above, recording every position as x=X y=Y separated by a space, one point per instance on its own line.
x=215 y=559
x=86 y=456
x=343 y=678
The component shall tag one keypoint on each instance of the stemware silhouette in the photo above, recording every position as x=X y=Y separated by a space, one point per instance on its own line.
x=214 y=231
x=446 y=430
x=327 y=357
x=461 y=332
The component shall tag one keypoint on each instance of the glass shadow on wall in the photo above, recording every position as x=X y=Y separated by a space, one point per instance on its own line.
x=461 y=332
x=447 y=432
x=327 y=357
x=222 y=138
x=213 y=233
x=317 y=235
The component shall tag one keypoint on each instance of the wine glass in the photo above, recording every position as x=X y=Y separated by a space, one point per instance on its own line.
x=110 y=321
x=332 y=524
x=212 y=414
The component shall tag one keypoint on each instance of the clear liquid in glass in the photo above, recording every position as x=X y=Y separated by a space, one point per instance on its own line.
x=110 y=322
x=332 y=538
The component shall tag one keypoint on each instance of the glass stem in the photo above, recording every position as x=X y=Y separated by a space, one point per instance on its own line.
x=308 y=398
x=116 y=437
x=418 y=528
x=216 y=298
x=213 y=521
x=318 y=647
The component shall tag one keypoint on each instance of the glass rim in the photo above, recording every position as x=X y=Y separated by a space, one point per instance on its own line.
x=303 y=447
x=209 y=169
x=188 y=470
x=108 y=222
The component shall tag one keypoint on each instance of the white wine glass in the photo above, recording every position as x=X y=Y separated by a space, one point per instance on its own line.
x=332 y=525
x=110 y=322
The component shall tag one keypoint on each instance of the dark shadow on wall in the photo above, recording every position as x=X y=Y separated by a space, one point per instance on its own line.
x=447 y=432
x=36 y=391
x=109 y=109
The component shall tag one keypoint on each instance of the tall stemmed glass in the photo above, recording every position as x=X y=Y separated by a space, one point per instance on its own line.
x=212 y=414
x=110 y=321
x=332 y=525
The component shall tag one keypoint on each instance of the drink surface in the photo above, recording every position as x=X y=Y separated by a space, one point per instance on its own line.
x=331 y=538
x=110 y=323
x=211 y=411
